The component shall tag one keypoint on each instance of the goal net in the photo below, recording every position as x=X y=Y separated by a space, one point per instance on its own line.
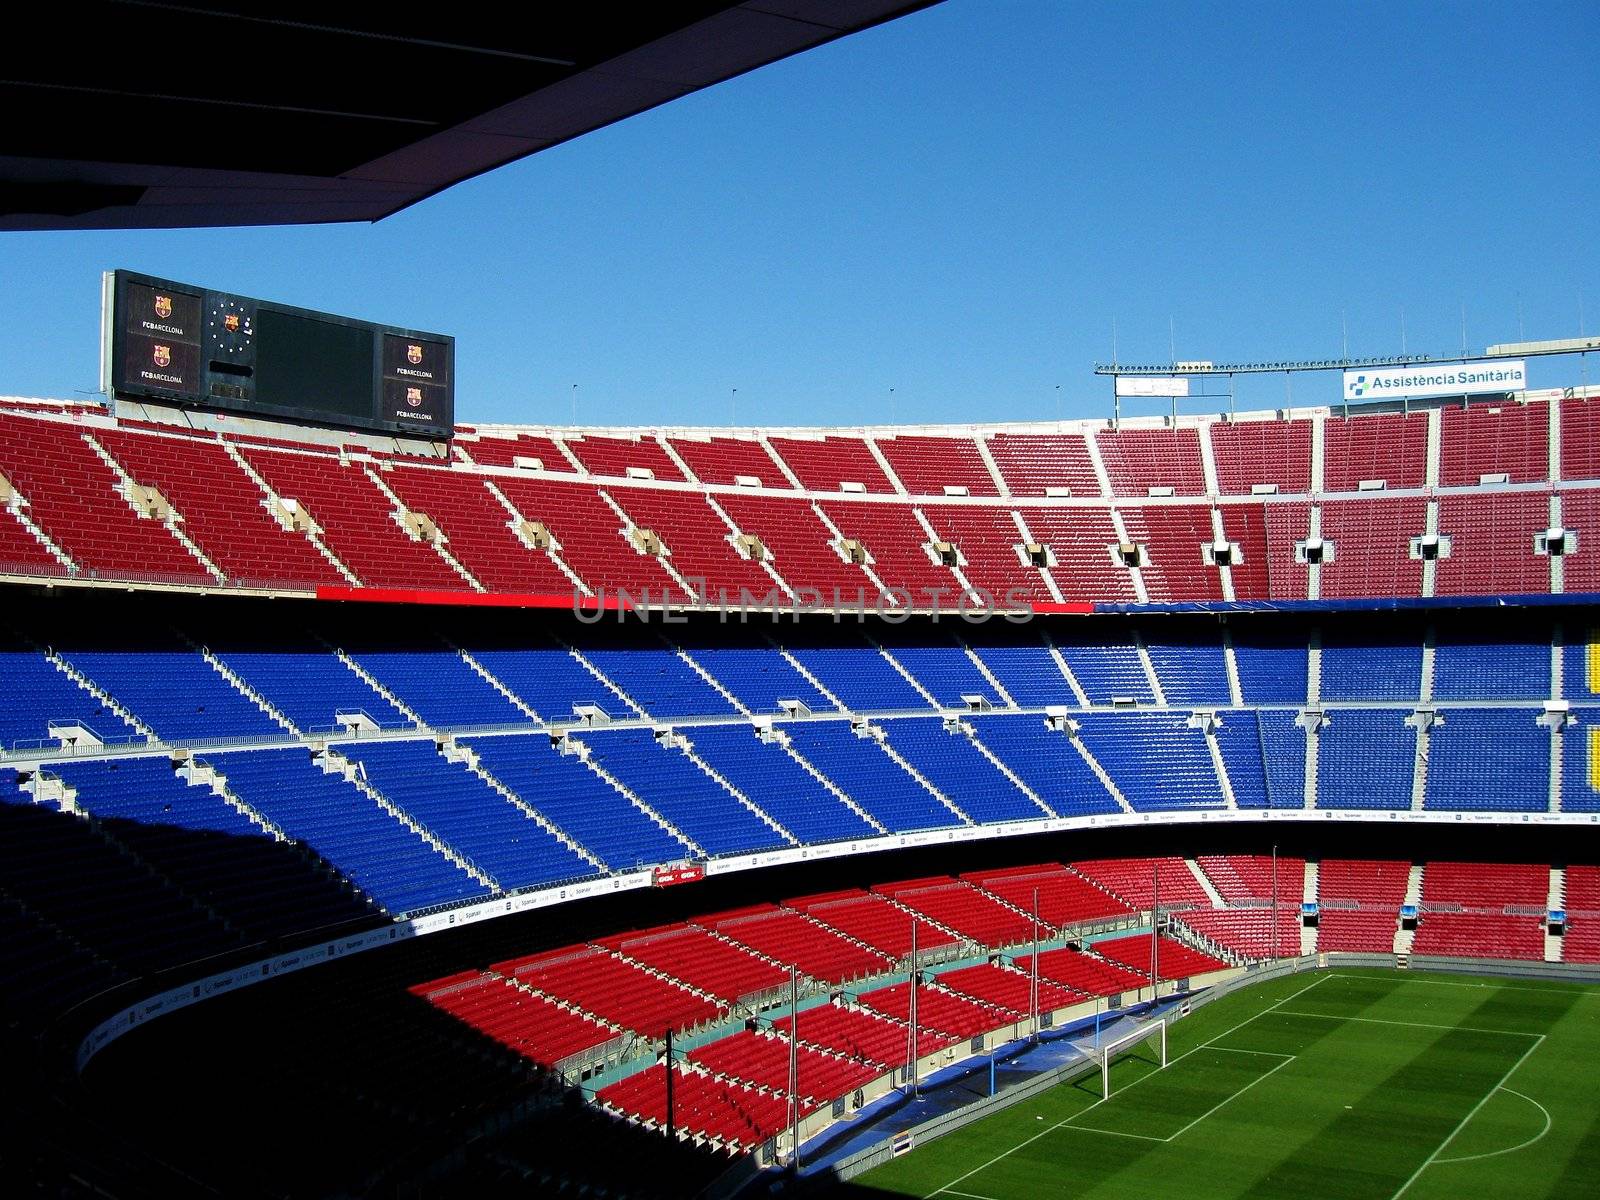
x=1120 y=1039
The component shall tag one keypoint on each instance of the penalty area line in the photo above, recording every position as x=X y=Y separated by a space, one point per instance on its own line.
x=949 y=1188
x=1462 y=1124
x=1226 y=1100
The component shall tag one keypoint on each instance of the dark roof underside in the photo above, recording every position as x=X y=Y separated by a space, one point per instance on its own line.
x=140 y=114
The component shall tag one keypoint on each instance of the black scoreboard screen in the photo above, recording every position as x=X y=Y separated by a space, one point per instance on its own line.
x=180 y=344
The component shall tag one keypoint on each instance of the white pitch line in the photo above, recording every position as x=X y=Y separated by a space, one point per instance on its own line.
x=1242 y=1050
x=1548 y=1121
x=1287 y=1059
x=1499 y=987
x=1462 y=1124
x=1063 y=1123
x=1407 y=1024
x=1230 y=1099
x=1122 y=1133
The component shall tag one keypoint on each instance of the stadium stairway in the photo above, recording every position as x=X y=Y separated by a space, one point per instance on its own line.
x=1308 y=895
x=1555 y=901
x=1209 y=888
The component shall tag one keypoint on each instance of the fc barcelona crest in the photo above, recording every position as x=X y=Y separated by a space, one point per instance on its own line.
x=163 y=307
x=163 y=356
x=230 y=322
x=414 y=397
x=413 y=354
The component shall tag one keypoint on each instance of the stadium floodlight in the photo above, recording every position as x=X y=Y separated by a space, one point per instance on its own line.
x=1120 y=1039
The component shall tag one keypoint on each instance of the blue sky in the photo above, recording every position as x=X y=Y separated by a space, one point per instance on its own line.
x=958 y=206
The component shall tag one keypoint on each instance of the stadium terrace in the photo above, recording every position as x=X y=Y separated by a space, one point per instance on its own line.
x=602 y=837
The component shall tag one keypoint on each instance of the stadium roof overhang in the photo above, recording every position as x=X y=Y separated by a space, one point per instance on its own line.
x=151 y=114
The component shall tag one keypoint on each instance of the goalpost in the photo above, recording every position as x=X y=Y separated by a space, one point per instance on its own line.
x=1117 y=1040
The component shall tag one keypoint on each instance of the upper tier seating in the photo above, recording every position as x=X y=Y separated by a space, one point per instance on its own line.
x=479 y=531
x=1255 y=454
x=1172 y=537
x=494 y=449
x=512 y=509
x=722 y=460
x=826 y=464
x=223 y=510
x=622 y=456
x=74 y=497
x=1580 y=438
x=697 y=541
x=1372 y=547
x=897 y=547
x=802 y=549
x=927 y=466
x=1138 y=460
x=1494 y=439
x=592 y=539
x=357 y=521
x=1389 y=446
x=1035 y=464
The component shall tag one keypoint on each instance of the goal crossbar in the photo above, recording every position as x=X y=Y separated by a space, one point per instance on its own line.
x=1117 y=1040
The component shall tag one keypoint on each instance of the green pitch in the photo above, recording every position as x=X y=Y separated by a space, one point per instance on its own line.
x=1360 y=1084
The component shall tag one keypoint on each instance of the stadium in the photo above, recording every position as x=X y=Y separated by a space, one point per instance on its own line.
x=401 y=805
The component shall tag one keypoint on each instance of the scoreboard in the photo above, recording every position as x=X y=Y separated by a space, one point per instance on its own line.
x=176 y=343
